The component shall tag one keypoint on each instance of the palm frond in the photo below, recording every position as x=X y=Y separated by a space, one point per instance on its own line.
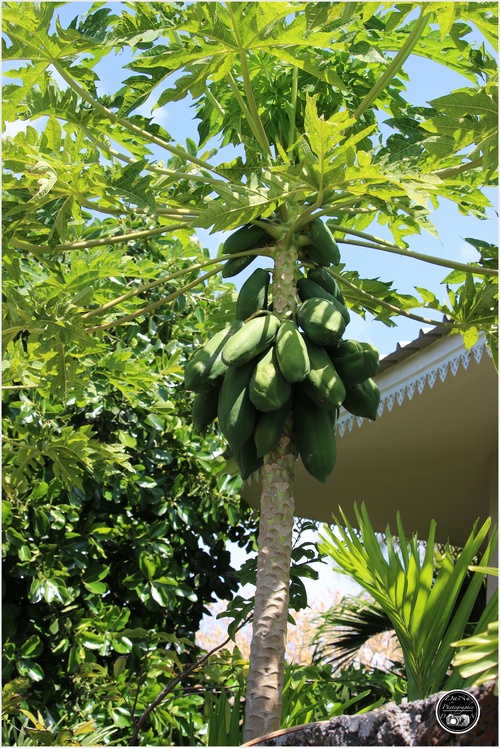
x=346 y=628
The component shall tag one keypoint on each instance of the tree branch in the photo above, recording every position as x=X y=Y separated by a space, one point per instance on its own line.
x=165 y=279
x=149 y=167
x=253 y=115
x=293 y=107
x=452 y=170
x=450 y=264
x=395 y=65
x=170 y=687
x=245 y=110
x=214 y=102
x=148 y=287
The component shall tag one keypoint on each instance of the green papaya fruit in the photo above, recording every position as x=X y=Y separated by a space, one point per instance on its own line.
x=315 y=435
x=204 y=410
x=309 y=253
x=268 y=389
x=322 y=277
x=247 y=459
x=253 y=338
x=206 y=366
x=291 y=352
x=269 y=428
x=325 y=244
x=362 y=399
x=236 y=265
x=323 y=384
x=236 y=413
x=253 y=294
x=321 y=321
x=246 y=237
x=354 y=361
x=309 y=289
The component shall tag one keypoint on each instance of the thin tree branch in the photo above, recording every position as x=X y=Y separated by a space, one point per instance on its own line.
x=242 y=104
x=253 y=106
x=19 y=386
x=214 y=101
x=152 y=284
x=190 y=213
x=474 y=269
x=165 y=279
x=128 y=125
x=155 y=305
x=293 y=106
x=305 y=217
x=350 y=211
x=149 y=167
x=170 y=687
x=254 y=116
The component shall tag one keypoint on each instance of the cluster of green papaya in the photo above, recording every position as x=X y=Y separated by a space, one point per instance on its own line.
x=321 y=249
x=260 y=370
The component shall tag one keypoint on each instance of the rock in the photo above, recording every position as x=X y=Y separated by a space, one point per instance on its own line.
x=412 y=724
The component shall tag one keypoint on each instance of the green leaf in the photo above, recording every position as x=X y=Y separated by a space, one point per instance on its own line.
x=30 y=669
x=119 y=666
x=155 y=421
x=90 y=640
x=127 y=439
x=7 y=514
x=32 y=647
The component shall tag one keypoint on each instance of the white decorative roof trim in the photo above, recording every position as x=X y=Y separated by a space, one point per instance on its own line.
x=414 y=372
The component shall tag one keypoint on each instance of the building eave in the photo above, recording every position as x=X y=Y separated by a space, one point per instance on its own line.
x=430 y=454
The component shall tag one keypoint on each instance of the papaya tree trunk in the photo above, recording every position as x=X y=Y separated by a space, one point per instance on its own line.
x=267 y=652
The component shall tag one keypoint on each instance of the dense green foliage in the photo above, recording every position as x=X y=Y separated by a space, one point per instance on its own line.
x=116 y=513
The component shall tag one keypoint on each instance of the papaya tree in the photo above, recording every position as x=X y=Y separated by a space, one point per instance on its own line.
x=312 y=98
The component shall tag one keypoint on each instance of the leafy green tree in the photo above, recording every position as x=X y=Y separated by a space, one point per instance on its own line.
x=116 y=513
x=300 y=86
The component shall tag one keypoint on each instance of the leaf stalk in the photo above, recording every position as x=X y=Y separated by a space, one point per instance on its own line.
x=395 y=65
x=154 y=305
x=36 y=248
x=474 y=269
x=126 y=124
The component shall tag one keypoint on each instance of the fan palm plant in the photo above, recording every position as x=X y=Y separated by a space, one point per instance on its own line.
x=420 y=604
x=346 y=628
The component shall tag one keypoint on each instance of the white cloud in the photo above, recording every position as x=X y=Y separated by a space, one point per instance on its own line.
x=160 y=115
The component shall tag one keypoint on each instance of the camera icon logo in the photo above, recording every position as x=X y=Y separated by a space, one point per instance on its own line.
x=457 y=711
